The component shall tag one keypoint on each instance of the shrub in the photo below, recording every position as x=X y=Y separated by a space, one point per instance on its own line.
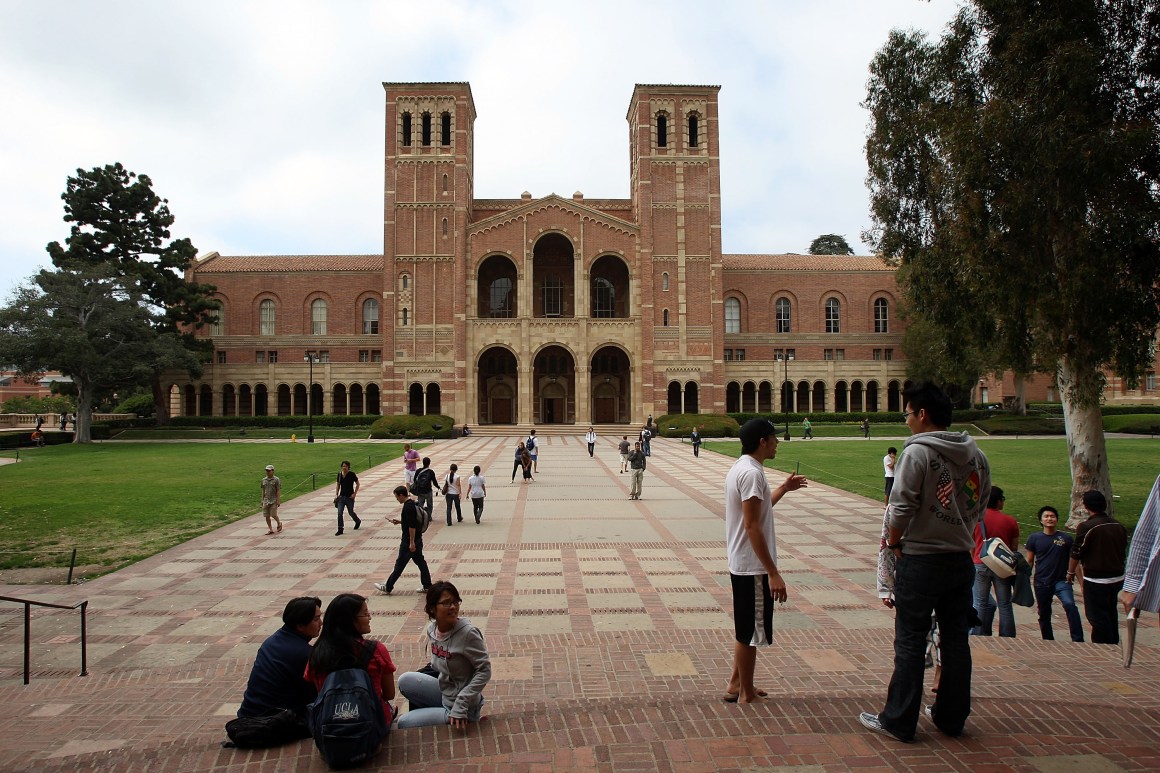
x=30 y=404
x=680 y=425
x=138 y=405
x=405 y=425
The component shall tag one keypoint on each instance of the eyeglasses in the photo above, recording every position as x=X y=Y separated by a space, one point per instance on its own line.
x=450 y=603
x=908 y=414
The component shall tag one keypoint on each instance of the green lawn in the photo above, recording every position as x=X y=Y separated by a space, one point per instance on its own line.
x=121 y=502
x=1031 y=472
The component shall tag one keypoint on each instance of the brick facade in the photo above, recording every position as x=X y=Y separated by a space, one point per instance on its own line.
x=553 y=309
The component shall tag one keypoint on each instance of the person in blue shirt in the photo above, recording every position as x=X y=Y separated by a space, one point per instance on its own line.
x=1048 y=552
x=277 y=679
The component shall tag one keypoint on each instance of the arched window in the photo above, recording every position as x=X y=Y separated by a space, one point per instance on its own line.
x=406 y=130
x=732 y=315
x=425 y=130
x=266 y=315
x=881 y=316
x=553 y=296
x=500 y=296
x=370 y=316
x=445 y=183
x=405 y=281
x=444 y=226
x=665 y=315
x=833 y=316
x=665 y=282
x=693 y=128
x=218 y=328
x=406 y=317
x=603 y=297
x=445 y=129
x=782 y=311
x=318 y=317
x=662 y=130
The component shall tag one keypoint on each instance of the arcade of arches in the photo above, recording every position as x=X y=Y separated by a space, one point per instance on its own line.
x=804 y=397
x=283 y=400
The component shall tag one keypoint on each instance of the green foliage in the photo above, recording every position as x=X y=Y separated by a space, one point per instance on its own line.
x=1133 y=423
x=1021 y=425
x=413 y=427
x=138 y=405
x=830 y=244
x=680 y=425
x=30 y=404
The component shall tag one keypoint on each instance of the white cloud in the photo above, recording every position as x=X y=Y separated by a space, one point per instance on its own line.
x=262 y=122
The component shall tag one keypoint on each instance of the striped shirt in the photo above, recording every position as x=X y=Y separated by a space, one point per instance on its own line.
x=1142 y=574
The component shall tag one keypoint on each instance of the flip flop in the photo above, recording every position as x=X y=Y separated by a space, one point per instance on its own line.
x=269 y=532
x=731 y=697
x=279 y=527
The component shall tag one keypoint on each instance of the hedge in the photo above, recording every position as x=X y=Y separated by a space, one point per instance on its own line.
x=708 y=424
x=414 y=427
x=230 y=422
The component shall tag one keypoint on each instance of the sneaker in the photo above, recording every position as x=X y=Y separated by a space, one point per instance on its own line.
x=381 y=587
x=870 y=722
x=421 y=590
x=928 y=711
x=338 y=533
x=357 y=523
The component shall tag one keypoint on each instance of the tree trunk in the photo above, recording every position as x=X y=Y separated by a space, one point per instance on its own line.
x=1079 y=390
x=1019 y=408
x=84 y=416
x=160 y=402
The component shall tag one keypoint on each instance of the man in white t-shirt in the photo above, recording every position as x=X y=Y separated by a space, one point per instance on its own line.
x=752 y=550
x=477 y=490
x=888 y=467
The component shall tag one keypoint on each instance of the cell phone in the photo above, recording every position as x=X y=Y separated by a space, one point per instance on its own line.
x=795 y=467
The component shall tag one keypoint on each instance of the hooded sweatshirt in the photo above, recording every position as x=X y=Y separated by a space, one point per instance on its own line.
x=461 y=660
x=941 y=485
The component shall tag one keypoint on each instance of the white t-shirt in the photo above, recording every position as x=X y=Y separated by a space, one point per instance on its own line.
x=475 y=485
x=452 y=481
x=746 y=479
x=888 y=466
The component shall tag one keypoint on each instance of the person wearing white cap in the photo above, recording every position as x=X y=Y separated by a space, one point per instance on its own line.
x=271 y=499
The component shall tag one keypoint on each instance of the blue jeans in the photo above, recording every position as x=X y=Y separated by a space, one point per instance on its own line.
x=426 y=699
x=985 y=580
x=938 y=583
x=348 y=503
x=1044 y=595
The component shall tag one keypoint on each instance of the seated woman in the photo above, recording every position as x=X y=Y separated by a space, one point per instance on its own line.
x=466 y=431
x=341 y=643
x=459 y=656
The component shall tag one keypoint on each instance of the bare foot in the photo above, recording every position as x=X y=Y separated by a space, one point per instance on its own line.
x=279 y=527
x=269 y=532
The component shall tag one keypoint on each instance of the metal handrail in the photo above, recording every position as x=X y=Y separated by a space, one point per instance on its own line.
x=83 y=605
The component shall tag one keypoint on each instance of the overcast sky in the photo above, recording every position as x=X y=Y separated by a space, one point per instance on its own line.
x=262 y=122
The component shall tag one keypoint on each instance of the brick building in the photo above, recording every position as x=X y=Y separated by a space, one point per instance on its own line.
x=549 y=310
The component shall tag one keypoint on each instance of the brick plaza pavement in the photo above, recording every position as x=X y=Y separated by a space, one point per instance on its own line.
x=609 y=627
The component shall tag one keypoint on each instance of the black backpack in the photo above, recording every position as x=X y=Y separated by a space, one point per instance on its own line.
x=348 y=721
x=423 y=515
x=423 y=480
x=276 y=729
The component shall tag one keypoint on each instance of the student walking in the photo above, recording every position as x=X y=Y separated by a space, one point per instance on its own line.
x=410 y=547
x=477 y=490
x=451 y=493
x=1048 y=552
x=590 y=439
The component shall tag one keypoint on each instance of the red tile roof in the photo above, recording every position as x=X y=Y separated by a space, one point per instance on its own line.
x=235 y=264
x=792 y=262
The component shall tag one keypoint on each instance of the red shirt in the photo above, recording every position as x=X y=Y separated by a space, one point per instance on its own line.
x=998 y=524
x=380 y=662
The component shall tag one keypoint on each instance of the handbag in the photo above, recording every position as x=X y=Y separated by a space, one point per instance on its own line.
x=996 y=556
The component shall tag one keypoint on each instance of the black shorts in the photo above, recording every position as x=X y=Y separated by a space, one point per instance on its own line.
x=752 y=602
x=889 y=486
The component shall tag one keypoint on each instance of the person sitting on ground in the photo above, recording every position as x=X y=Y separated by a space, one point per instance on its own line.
x=276 y=681
x=459 y=657
x=341 y=644
x=466 y=431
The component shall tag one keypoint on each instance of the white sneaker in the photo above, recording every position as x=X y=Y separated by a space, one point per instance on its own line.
x=420 y=590
x=381 y=587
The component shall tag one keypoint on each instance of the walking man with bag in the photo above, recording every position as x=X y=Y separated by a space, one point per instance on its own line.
x=942 y=482
x=411 y=546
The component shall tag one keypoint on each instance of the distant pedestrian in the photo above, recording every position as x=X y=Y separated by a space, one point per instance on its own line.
x=345 y=490
x=477 y=490
x=695 y=438
x=637 y=461
x=623 y=448
x=866 y=428
x=411 y=546
x=410 y=463
x=526 y=463
x=63 y=422
x=271 y=499
x=807 y=429
x=519 y=462
x=451 y=492
x=590 y=439
x=646 y=441
x=39 y=421
x=888 y=468
x=532 y=446
x=1101 y=544
x=424 y=486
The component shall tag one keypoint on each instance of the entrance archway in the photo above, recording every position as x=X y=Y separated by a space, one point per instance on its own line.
x=554 y=384
x=498 y=378
x=611 y=383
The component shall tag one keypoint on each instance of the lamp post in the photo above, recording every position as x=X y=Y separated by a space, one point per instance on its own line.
x=785 y=394
x=310 y=398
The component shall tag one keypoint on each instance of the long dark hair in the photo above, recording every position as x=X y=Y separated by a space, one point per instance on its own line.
x=335 y=647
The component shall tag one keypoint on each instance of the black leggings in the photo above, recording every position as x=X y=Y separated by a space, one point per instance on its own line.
x=517 y=468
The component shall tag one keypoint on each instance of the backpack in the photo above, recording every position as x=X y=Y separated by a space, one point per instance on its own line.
x=423 y=480
x=530 y=444
x=424 y=516
x=348 y=721
x=275 y=729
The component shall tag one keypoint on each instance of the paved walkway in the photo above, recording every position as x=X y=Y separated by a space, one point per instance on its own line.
x=609 y=626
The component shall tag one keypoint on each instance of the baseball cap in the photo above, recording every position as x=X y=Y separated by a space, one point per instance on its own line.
x=269 y=466
x=754 y=430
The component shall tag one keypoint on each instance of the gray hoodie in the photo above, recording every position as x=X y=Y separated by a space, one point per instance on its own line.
x=463 y=665
x=941 y=485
